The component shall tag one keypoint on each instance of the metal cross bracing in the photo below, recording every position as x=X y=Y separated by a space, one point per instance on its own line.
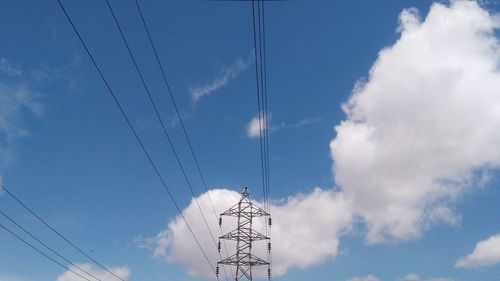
x=244 y=235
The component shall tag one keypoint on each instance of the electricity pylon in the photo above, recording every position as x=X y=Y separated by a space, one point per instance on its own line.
x=244 y=235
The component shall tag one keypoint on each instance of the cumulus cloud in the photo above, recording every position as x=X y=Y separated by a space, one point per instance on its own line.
x=486 y=253
x=255 y=125
x=227 y=74
x=423 y=127
x=322 y=216
x=123 y=272
x=367 y=278
x=420 y=131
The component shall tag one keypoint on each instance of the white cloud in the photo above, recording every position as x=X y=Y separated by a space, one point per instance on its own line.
x=420 y=131
x=227 y=74
x=253 y=125
x=423 y=127
x=123 y=272
x=486 y=253
x=321 y=216
x=367 y=278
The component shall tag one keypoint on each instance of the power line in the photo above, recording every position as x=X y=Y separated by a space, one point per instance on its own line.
x=169 y=91
x=72 y=244
x=266 y=105
x=261 y=98
x=122 y=111
x=261 y=74
x=42 y=253
x=158 y=116
x=174 y=103
x=46 y=246
x=270 y=254
x=263 y=64
x=264 y=95
x=259 y=107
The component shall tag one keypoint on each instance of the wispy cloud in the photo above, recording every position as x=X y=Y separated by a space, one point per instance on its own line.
x=4 y=277
x=225 y=76
x=122 y=271
x=298 y=125
x=53 y=31
x=253 y=127
x=19 y=98
x=366 y=278
x=8 y=69
x=16 y=99
x=410 y=277
x=63 y=75
x=415 y=277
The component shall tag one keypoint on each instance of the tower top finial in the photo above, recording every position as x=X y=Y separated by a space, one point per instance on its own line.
x=245 y=193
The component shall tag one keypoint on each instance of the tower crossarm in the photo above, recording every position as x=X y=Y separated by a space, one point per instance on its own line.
x=245 y=234
x=243 y=260
x=246 y=207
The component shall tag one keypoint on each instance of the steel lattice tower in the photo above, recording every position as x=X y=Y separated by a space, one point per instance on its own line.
x=245 y=211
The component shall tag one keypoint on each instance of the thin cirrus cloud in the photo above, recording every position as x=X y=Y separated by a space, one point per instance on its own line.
x=122 y=271
x=416 y=277
x=7 y=68
x=486 y=253
x=409 y=277
x=17 y=98
x=253 y=127
x=227 y=74
x=322 y=216
x=366 y=278
x=4 y=277
x=423 y=128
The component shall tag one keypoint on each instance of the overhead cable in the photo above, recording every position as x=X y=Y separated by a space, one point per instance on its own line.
x=143 y=148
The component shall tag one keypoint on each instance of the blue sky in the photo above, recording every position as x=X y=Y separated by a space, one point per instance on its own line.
x=67 y=153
